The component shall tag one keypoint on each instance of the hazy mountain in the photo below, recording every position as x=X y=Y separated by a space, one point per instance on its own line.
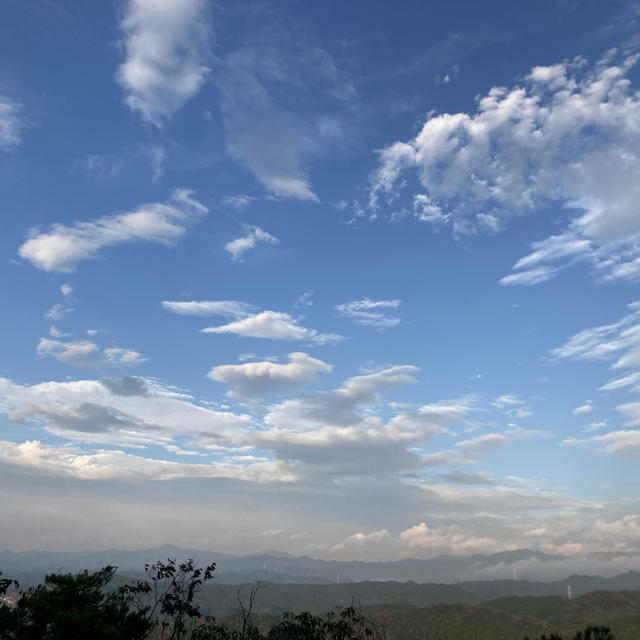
x=281 y=568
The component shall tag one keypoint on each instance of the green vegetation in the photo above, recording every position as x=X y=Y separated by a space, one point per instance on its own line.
x=74 y=607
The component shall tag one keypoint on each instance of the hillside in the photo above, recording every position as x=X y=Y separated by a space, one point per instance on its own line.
x=513 y=618
x=220 y=599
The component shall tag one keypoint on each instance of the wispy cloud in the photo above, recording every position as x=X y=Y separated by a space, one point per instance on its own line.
x=372 y=313
x=238 y=202
x=268 y=128
x=165 y=46
x=618 y=342
x=12 y=123
x=62 y=247
x=229 y=308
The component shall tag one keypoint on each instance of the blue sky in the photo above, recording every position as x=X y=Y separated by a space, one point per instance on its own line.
x=346 y=279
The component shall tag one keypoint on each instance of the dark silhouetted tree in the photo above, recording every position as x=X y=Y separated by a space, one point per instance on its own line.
x=172 y=587
x=76 y=607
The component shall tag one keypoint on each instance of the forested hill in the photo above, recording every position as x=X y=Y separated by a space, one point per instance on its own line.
x=275 y=598
x=510 y=618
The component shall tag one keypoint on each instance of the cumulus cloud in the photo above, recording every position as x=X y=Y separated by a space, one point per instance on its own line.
x=256 y=379
x=126 y=386
x=338 y=433
x=253 y=235
x=565 y=135
x=125 y=411
x=165 y=46
x=340 y=406
x=12 y=123
x=344 y=451
x=274 y=325
x=372 y=313
x=62 y=247
x=84 y=353
x=452 y=537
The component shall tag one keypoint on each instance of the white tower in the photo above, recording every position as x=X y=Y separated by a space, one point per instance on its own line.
x=569 y=594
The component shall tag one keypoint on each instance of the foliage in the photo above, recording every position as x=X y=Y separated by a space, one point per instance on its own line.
x=75 y=607
x=591 y=632
x=172 y=588
x=341 y=624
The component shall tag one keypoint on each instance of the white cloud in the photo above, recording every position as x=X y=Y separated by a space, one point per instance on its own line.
x=474 y=449
x=530 y=276
x=467 y=477
x=54 y=332
x=123 y=357
x=165 y=43
x=238 y=247
x=61 y=248
x=371 y=313
x=12 y=123
x=619 y=341
x=270 y=140
x=268 y=127
x=565 y=135
x=229 y=308
x=587 y=407
x=513 y=406
x=83 y=353
x=66 y=289
x=124 y=411
x=507 y=400
x=623 y=444
x=275 y=325
x=58 y=312
x=630 y=380
x=114 y=464
x=342 y=406
x=238 y=202
x=254 y=379
x=453 y=537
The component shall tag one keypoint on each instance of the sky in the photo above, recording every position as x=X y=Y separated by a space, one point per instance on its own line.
x=352 y=280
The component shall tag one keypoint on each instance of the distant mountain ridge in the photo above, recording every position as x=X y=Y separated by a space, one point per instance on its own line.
x=233 y=569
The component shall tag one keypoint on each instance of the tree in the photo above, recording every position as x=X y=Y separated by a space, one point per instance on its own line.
x=342 y=624
x=592 y=632
x=76 y=607
x=172 y=588
x=7 y=613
